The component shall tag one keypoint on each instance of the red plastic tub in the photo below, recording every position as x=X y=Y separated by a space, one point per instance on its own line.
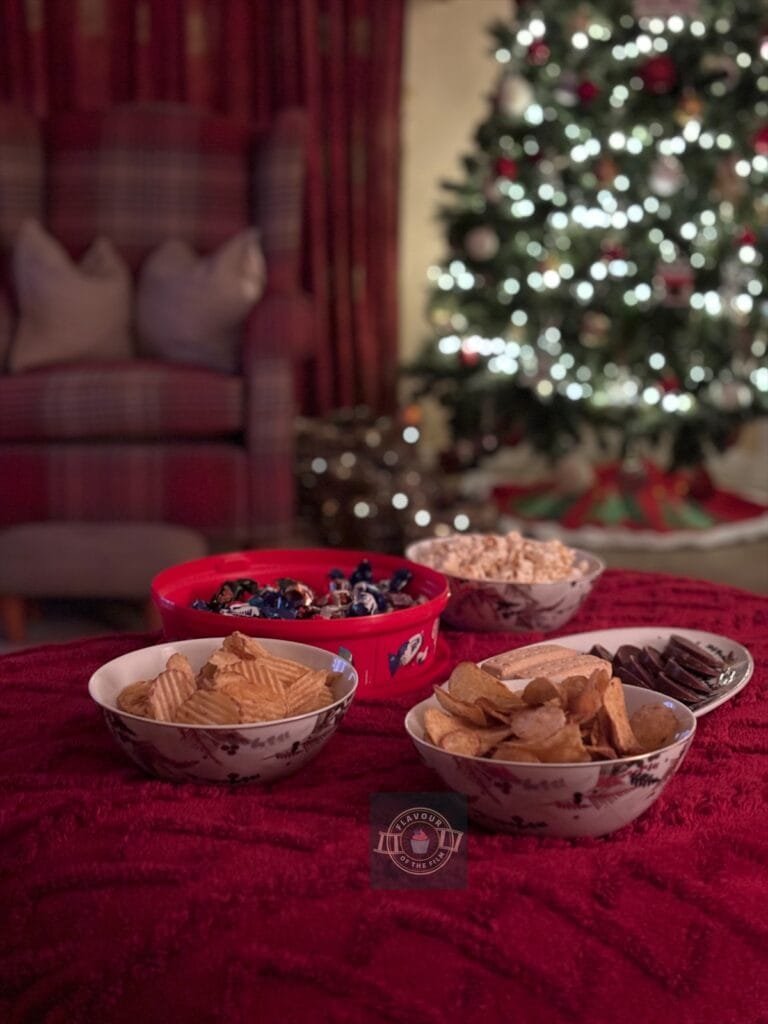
x=393 y=653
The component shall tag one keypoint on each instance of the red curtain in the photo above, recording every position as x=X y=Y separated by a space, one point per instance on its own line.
x=340 y=59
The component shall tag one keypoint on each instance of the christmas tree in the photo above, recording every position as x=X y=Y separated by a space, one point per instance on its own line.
x=606 y=269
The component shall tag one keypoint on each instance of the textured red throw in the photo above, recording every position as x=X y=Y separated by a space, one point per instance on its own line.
x=124 y=898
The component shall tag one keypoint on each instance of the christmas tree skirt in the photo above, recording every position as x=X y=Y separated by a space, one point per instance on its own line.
x=648 y=509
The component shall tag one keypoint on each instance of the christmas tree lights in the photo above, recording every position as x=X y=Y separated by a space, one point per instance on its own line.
x=608 y=244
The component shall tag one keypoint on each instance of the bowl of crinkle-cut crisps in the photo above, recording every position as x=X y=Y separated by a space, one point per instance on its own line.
x=578 y=755
x=232 y=709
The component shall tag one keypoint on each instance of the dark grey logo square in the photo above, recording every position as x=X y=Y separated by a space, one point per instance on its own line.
x=418 y=841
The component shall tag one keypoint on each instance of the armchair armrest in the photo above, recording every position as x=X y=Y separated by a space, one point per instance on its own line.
x=277 y=336
x=280 y=324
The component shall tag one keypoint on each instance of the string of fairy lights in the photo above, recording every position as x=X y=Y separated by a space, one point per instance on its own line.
x=589 y=215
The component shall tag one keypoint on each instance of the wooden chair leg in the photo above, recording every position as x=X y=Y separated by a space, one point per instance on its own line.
x=13 y=617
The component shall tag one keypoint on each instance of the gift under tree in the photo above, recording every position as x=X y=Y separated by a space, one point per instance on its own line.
x=604 y=287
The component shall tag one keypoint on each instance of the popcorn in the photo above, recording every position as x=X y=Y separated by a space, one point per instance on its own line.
x=508 y=558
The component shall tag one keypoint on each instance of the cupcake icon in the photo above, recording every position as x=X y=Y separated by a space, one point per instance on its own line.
x=419 y=841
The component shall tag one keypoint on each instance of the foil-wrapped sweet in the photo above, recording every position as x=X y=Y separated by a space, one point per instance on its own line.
x=353 y=596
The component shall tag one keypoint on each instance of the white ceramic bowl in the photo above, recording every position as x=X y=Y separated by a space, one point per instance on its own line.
x=504 y=605
x=219 y=753
x=565 y=800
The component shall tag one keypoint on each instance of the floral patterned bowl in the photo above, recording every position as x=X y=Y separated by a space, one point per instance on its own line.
x=505 y=606
x=219 y=753
x=566 y=800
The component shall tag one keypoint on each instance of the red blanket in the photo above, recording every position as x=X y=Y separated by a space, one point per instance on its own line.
x=130 y=899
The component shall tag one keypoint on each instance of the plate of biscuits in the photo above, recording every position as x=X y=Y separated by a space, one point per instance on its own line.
x=702 y=670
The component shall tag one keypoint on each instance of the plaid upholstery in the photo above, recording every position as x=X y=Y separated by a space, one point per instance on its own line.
x=21 y=175
x=145 y=173
x=141 y=399
x=204 y=486
x=6 y=328
x=277 y=202
x=75 y=441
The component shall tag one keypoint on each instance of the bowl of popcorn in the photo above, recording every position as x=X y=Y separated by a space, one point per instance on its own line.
x=506 y=582
x=224 y=710
x=569 y=755
x=382 y=611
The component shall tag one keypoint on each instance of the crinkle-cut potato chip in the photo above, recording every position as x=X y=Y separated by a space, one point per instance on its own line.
x=253 y=702
x=207 y=707
x=135 y=698
x=244 y=646
x=170 y=688
x=534 y=724
x=654 y=726
x=287 y=671
x=461 y=708
x=314 y=703
x=218 y=660
x=577 y=719
x=240 y=684
x=308 y=693
x=263 y=709
x=468 y=681
x=257 y=673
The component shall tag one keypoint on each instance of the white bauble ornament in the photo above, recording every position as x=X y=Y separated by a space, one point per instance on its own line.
x=481 y=243
x=667 y=176
x=718 y=67
x=565 y=91
x=514 y=96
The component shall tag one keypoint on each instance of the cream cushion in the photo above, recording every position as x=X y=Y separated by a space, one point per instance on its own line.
x=191 y=308
x=68 y=312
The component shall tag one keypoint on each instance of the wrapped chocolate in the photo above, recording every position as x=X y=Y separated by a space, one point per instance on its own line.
x=346 y=597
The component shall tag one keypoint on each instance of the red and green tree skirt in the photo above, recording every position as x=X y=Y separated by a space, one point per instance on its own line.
x=639 y=498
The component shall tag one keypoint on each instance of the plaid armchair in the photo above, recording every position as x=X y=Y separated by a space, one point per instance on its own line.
x=155 y=440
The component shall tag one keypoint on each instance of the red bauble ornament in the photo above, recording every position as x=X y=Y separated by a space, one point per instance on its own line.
x=538 y=53
x=747 y=237
x=613 y=251
x=506 y=167
x=669 y=383
x=587 y=92
x=606 y=170
x=469 y=358
x=760 y=141
x=659 y=75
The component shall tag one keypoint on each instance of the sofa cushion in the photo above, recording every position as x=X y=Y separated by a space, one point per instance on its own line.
x=68 y=312
x=191 y=309
x=140 y=399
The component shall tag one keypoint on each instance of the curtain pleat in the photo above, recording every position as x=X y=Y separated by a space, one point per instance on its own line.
x=339 y=59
